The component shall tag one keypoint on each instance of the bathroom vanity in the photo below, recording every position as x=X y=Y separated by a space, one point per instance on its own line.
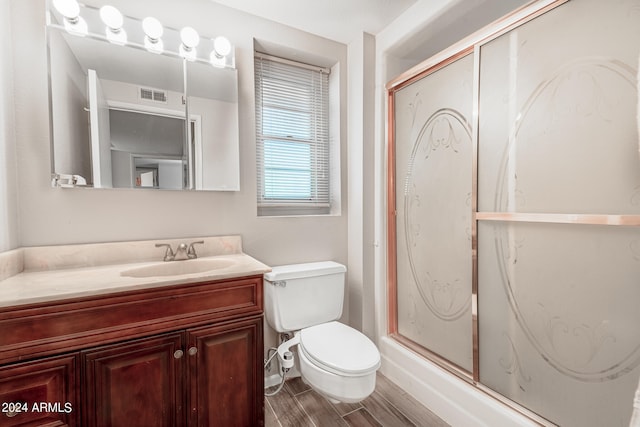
x=174 y=350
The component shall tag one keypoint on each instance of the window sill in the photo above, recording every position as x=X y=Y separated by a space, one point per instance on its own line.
x=289 y=209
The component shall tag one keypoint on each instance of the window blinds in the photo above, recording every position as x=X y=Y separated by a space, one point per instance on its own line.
x=292 y=134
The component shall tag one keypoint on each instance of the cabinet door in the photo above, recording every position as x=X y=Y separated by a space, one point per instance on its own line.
x=136 y=383
x=226 y=374
x=38 y=393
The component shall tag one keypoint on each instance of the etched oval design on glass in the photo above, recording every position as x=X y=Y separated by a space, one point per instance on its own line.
x=582 y=111
x=438 y=215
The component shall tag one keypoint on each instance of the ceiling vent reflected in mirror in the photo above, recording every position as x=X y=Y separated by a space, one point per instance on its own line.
x=153 y=95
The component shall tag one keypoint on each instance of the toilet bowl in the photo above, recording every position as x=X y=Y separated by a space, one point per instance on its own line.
x=336 y=360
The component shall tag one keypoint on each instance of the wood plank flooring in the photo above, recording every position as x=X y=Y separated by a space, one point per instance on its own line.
x=389 y=406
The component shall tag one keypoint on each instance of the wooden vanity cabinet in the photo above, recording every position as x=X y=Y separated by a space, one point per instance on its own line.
x=181 y=355
x=147 y=382
x=40 y=392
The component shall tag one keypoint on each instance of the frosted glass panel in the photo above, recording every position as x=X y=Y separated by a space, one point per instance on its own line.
x=558 y=101
x=559 y=315
x=433 y=166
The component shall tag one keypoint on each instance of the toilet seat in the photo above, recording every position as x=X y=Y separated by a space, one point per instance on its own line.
x=339 y=349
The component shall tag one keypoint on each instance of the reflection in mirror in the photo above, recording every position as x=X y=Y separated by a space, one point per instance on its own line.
x=118 y=112
x=158 y=148
x=214 y=120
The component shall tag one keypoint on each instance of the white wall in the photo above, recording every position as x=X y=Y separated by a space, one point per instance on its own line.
x=9 y=231
x=361 y=239
x=63 y=216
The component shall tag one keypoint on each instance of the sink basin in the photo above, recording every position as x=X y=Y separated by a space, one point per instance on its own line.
x=176 y=268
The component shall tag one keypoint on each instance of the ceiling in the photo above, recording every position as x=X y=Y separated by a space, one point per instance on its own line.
x=339 y=20
x=345 y=20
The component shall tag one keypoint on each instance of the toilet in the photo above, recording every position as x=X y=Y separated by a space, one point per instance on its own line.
x=335 y=359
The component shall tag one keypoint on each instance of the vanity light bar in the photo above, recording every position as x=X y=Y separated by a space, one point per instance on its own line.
x=221 y=55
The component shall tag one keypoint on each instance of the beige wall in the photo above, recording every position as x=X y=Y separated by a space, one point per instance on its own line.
x=9 y=238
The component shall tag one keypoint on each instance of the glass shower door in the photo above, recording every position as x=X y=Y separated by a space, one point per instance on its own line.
x=559 y=186
x=434 y=217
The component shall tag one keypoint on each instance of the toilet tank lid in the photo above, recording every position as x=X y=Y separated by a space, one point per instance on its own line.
x=298 y=271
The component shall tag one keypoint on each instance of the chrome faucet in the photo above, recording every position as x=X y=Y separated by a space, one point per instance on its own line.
x=168 y=255
x=182 y=252
x=191 y=252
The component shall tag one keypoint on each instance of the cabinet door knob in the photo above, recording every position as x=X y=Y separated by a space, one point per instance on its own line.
x=11 y=409
x=193 y=351
x=178 y=354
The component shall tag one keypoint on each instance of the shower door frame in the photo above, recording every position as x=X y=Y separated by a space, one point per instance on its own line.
x=468 y=46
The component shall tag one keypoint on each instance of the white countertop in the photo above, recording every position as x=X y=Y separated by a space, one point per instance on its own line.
x=35 y=286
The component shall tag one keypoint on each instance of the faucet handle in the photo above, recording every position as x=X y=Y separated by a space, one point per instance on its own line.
x=168 y=254
x=191 y=252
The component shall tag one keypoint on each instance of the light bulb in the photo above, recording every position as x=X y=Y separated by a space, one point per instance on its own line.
x=189 y=37
x=190 y=40
x=73 y=22
x=221 y=46
x=70 y=9
x=153 y=31
x=111 y=17
x=152 y=28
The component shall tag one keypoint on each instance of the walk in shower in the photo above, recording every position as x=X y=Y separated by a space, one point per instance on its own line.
x=514 y=211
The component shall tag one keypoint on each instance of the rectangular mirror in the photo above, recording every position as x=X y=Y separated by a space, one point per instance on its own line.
x=118 y=111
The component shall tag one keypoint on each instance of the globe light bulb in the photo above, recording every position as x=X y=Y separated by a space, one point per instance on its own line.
x=70 y=9
x=190 y=40
x=221 y=46
x=189 y=37
x=114 y=20
x=152 y=28
x=111 y=17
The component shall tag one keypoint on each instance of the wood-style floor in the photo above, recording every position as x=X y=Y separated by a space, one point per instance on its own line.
x=297 y=405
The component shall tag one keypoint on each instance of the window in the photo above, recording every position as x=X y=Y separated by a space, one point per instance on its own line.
x=292 y=137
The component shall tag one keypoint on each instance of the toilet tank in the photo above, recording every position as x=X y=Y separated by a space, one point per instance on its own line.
x=302 y=295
